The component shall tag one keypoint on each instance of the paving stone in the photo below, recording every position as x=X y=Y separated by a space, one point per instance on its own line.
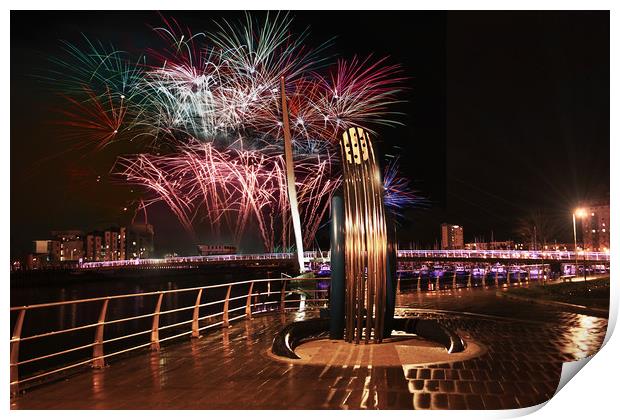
x=439 y=401
x=457 y=402
x=446 y=386
x=474 y=402
x=421 y=401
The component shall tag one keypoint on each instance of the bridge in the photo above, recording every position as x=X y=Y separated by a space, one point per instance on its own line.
x=503 y=256
x=460 y=255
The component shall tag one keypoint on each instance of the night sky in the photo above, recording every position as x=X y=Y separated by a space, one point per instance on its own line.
x=506 y=112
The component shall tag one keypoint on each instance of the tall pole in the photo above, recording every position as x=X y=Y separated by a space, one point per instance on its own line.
x=575 y=236
x=290 y=179
x=584 y=267
x=337 y=260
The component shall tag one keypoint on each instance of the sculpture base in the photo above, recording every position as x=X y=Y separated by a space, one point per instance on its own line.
x=400 y=350
x=415 y=341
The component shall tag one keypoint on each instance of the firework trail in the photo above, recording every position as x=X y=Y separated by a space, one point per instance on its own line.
x=207 y=106
x=94 y=122
x=235 y=188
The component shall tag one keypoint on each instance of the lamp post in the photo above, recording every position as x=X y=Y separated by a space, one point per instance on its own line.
x=579 y=213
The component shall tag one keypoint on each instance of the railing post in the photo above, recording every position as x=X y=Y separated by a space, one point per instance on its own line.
x=248 y=302
x=225 y=322
x=17 y=333
x=497 y=277
x=195 y=332
x=266 y=297
x=437 y=286
x=283 y=296
x=419 y=280
x=98 y=361
x=155 y=330
x=454 y=280
x=484 y=277
x=469 y=279
x=508 y=277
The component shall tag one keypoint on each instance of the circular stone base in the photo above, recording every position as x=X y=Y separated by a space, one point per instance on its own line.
x=399 y=350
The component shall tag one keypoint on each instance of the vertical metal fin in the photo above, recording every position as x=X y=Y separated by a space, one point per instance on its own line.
x=365 y=239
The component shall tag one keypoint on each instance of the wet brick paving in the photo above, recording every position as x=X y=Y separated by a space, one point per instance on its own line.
x=229 y=368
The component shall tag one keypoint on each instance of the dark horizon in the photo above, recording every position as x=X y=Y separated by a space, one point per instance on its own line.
x=507 y=112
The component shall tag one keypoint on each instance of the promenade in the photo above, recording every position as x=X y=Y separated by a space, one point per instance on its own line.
x=230 y=369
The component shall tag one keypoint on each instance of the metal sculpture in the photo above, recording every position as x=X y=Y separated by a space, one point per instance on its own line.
x=365 y=239
x=337 y=263
x=363 y=263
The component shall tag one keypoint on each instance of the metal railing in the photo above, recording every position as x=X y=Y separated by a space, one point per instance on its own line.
x=309 y=255
x=505 y=254
x=188 y=260
x=253 y=301
x=201 y=259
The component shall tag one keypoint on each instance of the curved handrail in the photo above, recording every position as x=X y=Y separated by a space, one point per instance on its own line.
x=130 y=295
x=251 y=306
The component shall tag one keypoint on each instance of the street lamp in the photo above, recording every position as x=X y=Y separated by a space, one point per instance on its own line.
x=580 y=212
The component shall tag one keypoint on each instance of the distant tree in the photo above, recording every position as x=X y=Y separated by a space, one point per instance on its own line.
x=537 y=228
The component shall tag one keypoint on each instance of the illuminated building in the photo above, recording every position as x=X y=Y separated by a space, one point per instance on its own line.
x=451 y=236
x=495 y=245
x=139 y=239
x=111 y=245
x=36 y=261
x=216 y=250
x=120 y=243
x=51 y=248
x=71 y=244
x=94 y=247
x=595 y=227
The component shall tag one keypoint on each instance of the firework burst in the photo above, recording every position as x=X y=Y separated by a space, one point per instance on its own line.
x=398 y=193
x=209 y=105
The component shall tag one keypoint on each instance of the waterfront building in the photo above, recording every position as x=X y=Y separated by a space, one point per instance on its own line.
x=216 y=250
x=139 y=239
x=48 y=247
x=71 y=244
x=495 y=245
x=595 y=227
x=122 y=243
x=451 y=236
x=94 y=246
x=36 y=261
x=111 y=245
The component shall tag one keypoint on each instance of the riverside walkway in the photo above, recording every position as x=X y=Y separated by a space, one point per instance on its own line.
x=229 y=368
